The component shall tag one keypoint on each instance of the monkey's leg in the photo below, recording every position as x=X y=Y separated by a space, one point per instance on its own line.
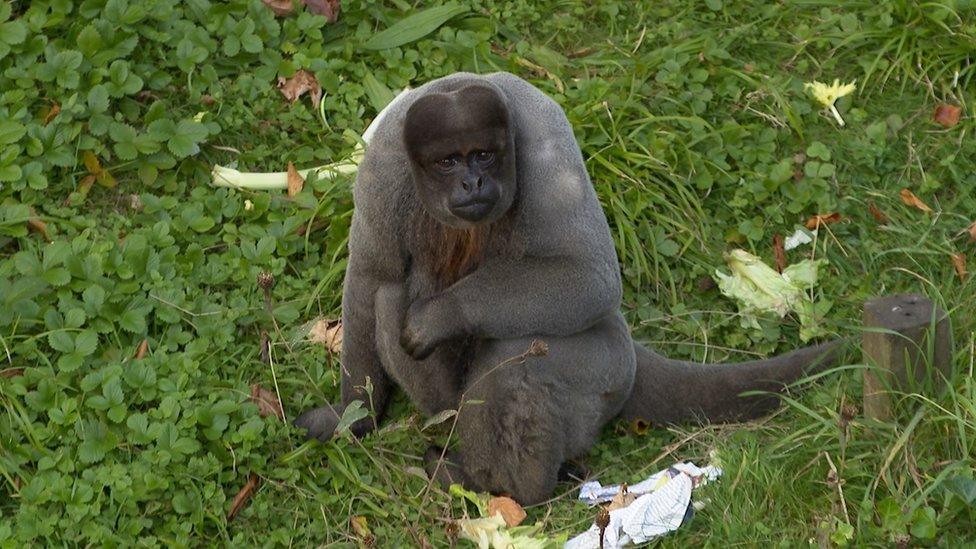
x=360 y=366
x=519 y=422
x=433 y=384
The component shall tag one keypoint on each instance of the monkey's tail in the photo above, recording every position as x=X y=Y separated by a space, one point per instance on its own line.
x=675 y=391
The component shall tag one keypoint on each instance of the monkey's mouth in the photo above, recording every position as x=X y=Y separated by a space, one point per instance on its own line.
x=473 y=210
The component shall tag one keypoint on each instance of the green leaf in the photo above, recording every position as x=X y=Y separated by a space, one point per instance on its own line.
x=965 y=488
x=98 y=99
x=11 y=132
x=414 y=27
x=86 y=342
x=89 y=41
x=353 y=413
x=94 y=298
x=818 y=150
x=13 y=32
x=61 y=341
x=923 y=523
x=133 y=321
x=379 y=95
x=186 y=137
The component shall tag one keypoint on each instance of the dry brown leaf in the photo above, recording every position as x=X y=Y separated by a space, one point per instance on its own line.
x=11 y=372
x=280 y=8
x=947 y=115
x=510 y=510
x=822 y=219
x=972 y=231
x=879 y=216
x=621 y=500
x=86 y=184
x=142 y=350
x=328 y=8
x=38 y=227
x=909 y=198
x=267 y=401
x=241 y=498
x=959 y=262
x=51 y=113
x=360 y=527
x=779 y=252
x=303 y=81
x=328 y=333
x=295 y=181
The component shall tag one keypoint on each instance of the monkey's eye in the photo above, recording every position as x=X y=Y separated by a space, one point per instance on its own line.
x=484 y=157
x=446 y=163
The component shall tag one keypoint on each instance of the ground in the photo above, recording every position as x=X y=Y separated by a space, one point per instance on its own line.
x=700 y=137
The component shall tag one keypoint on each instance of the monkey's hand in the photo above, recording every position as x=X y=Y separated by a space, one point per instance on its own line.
x=430 y=322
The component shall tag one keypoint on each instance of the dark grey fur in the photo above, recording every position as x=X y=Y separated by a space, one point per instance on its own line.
x=549 y=273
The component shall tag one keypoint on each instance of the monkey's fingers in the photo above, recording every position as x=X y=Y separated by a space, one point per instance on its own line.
x=414 y=346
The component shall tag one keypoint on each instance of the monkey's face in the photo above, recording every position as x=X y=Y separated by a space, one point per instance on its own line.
x=461 y=154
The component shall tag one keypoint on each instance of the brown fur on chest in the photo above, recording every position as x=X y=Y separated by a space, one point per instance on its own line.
x=448 y=254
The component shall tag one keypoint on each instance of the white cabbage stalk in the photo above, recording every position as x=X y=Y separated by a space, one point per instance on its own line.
x=222 y=176
x=261 y=181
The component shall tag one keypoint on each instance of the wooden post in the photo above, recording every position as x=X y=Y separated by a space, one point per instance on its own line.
x=896 y=349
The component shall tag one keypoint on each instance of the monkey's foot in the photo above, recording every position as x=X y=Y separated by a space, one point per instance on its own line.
x=319 y=423
x=573 y=471
x=444 y=467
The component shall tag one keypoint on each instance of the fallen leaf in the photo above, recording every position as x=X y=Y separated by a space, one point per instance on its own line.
x=509 y=509
x=303 y=81
x=86 y=184
x=909 y=198
x=328 y=8
x=621 y=500
x=947 y=115
x=959 y=262
x=51 y=113
x=267 y=401
x=821 y=219
x=295 y=181
x=779 y=252
x=972 y=231
x=11 y=372
x=142 y=350
x=91 y=162
x=280 y=8
x=328 y=333
x=360 y=527
x=241 y=498
x=38 y=227
x=879 y=216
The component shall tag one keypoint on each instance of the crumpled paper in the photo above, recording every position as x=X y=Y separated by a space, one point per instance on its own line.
x=758 y=288
x=663 y=505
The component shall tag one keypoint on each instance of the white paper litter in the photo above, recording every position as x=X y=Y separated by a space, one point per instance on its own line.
x=799 y=238
x=661 y=508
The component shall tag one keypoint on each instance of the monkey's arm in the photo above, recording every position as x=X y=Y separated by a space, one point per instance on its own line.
x=515 y=298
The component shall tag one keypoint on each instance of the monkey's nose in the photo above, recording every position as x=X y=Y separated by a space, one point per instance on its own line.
x=467 y=184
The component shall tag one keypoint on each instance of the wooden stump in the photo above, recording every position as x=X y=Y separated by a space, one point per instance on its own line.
x=896 y=348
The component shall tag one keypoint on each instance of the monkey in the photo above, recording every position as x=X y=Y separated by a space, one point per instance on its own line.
x=476 y=231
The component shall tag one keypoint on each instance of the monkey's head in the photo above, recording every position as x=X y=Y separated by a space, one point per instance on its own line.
x=462 y=155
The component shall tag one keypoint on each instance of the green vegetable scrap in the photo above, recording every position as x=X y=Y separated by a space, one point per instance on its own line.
x=760 y=289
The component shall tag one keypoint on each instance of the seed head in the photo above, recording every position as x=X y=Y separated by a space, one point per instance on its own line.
x=266 y=280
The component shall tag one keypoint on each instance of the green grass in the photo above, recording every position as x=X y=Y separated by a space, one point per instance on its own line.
x=699 y=138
